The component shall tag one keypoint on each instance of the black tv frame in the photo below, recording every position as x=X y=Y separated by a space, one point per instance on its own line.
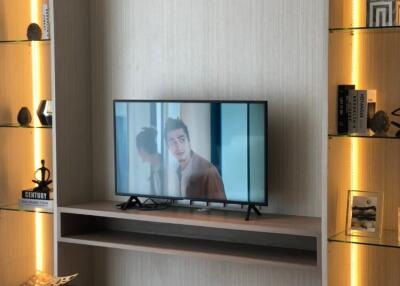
x=135 y=196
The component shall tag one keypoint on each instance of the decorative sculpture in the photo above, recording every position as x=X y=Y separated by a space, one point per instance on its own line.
x=43 y=279
x=44 y=112
x=34 y=33
x=24 y=116
x=44 y=181
x=396 y=112
x=380 y=123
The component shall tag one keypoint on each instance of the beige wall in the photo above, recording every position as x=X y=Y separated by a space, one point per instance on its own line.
x=273 y=50
x=191 y=49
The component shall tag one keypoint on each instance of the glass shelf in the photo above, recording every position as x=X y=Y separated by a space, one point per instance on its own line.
x=15 y=125
x=22 y=41
x=18 y=208
x=389 y=238
x=365 y=29
x=368 y=136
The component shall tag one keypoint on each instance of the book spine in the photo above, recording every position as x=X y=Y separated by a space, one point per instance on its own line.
x=352 y=112
x=362 y=109
x=45 y=20
x=36 y=195
x=342 y=110
x=371 y=97
x=32 y=203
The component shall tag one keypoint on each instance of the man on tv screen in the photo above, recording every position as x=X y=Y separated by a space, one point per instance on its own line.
x=198 y=178
x=146 y=144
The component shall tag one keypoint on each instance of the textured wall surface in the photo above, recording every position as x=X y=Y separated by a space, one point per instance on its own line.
x=191 y=49
x=273 y=50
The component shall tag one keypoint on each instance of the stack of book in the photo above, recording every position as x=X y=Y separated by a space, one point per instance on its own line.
x=36 y=200
x=355 y=110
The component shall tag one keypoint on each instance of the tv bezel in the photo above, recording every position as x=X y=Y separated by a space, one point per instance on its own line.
x=265 y=102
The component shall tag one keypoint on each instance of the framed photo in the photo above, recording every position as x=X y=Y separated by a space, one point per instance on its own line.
x=381 y=13
x=364 y=213
x=398 y=223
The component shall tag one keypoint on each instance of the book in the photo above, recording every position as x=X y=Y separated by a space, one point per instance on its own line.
x=45 y=21
x=35 y=203
x=352 y=111
x=29 y=194
x=371 y=98
x=342 y=107
x=362 y=115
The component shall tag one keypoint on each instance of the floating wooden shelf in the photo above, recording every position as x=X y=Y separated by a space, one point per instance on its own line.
x=233 y=220
x=232 y=252
x=216 y=234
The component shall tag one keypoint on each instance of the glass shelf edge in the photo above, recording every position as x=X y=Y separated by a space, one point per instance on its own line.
x=24 y=127
x=350 y=29
x=389 y=238
x=24 y=41
x=17 y=208
x=363 y=136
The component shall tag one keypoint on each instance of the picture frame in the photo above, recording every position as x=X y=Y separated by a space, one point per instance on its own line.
x=381 y=13
x=398 y=224
x=398 y=13
x=364 y=213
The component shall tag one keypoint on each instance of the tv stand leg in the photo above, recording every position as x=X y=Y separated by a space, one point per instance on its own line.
x=132 y=202
x=249 y=208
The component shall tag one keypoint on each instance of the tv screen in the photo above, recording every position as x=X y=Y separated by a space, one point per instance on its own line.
x=201 y=151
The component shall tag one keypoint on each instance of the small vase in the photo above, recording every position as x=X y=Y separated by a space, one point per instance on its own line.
x=24 y=116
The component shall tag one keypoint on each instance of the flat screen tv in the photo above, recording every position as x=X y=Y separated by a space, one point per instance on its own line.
x=213 y=151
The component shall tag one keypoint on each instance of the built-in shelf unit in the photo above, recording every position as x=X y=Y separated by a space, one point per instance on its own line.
x=107 y=50
x=367 y=57
x=217 y=234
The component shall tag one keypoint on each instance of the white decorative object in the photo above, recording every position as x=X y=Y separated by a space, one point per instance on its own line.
x=44 y=279
x=381 y=13
x=45 y=20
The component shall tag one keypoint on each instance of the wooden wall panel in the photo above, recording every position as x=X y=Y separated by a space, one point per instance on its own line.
x=341 y=13
x=219 y=50
x=153 y=269
x=14 y=19
x=77 y=259
x=377 y=68
x=376 y=171
x=72 y=101
x=18 y=246
x=351 y=264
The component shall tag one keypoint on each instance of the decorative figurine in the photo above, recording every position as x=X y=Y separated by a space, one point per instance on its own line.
x=34 y=33
x=44 y=112
x=44 y=180
x=396 y=112
x=380 y=123
x=24 y=116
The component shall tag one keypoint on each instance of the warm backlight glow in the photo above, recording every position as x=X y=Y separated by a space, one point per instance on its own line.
x=36 y=90
x=39 y=241
x=35 y=11
x=355 y=61
x=354 y=269
x=355 y=78
x=37 y=144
